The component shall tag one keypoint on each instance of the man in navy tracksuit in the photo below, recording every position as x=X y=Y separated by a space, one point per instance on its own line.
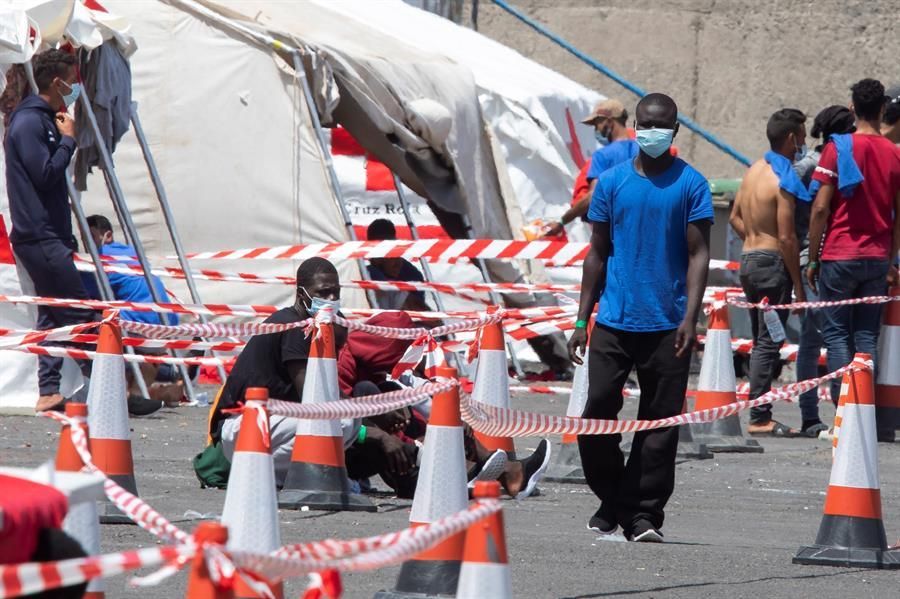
x=39 y=145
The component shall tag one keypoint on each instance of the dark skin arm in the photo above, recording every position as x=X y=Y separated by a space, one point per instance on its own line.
x=593 y=280
x=579 y=209
x=818 y=220
x=698 y=269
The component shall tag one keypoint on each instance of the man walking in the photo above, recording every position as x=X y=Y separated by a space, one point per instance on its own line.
x=647 y=263
x=39 y=146
x=763 y=217
x=857 y=203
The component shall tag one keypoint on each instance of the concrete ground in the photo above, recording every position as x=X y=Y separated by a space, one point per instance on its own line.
x=732 y=526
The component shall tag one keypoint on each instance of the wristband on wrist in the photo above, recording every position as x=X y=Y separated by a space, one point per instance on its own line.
x=361 y=435
x=580 y=324
x=813 y=264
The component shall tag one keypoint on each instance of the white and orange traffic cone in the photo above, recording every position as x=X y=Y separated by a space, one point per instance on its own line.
x=887 y=382
x=440 y=491
x=485 y=568
x=566 y=465
x=251 y=510
x=492 y=381
x=718 y=387
x=200 y=583
x=108 y=417
x=317 y=476
x=852 y=531
x=82 y=522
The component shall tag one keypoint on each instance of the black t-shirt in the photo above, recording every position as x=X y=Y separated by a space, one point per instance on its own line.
x=263 y=363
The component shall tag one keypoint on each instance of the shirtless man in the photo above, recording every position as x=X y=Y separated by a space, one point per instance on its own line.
x=763 y=217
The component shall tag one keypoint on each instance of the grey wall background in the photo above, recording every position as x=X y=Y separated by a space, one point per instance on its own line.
x=728 y=63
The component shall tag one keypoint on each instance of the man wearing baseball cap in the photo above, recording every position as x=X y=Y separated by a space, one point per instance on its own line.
x=609 y=120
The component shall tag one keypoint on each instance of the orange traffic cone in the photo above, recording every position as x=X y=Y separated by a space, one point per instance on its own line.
x=440 y=491
x=485 y=568
x=887 y=383
x=251 y=511
x=717 y=387
x=566 y=465
x=492 y=381
x=200 y=584
x=852 y=532
x=108 y=418
x=317 y=476
x=82 y=522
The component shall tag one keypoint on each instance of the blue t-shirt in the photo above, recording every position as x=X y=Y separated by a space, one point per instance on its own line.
x=130 y=288
x=612 y=155
x=647 y=267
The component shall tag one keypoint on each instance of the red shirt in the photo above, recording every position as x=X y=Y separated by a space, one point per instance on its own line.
x=581 y=183
x=862 y=226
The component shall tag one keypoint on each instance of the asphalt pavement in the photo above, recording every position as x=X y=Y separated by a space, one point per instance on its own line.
x=731 y=528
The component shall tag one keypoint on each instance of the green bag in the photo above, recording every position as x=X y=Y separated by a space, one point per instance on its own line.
x=212 y=467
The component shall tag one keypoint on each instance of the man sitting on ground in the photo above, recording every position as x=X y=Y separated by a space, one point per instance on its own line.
x=134 y=288
x=394 y=269
x=364 y=366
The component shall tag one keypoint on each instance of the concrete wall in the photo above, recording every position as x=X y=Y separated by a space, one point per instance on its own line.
x=728 y=63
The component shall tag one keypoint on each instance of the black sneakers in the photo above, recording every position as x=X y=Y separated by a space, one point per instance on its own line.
x=644 y=532
x=603 y=523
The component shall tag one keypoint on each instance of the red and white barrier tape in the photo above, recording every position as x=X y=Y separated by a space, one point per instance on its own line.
x=764 y=305
x=210 y=330
x=359 y=407
x=787 y=352
x=81 y=354
x=516 y=423
x=162 y=308
x=363 y=554
x=13 y=338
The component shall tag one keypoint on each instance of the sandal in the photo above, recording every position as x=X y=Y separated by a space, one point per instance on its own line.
x=812 y=431
x=778 y=430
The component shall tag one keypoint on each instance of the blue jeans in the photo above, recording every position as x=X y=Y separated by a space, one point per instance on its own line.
x=848 y=330
x=808 y=353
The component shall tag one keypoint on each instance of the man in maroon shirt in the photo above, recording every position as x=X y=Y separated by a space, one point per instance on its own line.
x=858 y=200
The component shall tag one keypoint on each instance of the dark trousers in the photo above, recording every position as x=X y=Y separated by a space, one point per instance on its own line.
x=640 y=488
x=851 y=329
x=367 y=460
x=49 y=264
x=808 y=353
x=763 y=275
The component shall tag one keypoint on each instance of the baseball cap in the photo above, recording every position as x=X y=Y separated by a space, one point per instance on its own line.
x=608 y=108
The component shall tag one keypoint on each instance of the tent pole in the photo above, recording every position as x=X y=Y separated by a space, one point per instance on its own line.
x=495 y=298
x=426 y=270
x=103 y=285
x=118 y=198
x=169 y=219
x=329 y=163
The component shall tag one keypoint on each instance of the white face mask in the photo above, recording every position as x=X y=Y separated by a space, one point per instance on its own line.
x=317 y=303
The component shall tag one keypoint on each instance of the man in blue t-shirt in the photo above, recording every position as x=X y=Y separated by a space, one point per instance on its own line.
x=609 y=120
x=647 y=264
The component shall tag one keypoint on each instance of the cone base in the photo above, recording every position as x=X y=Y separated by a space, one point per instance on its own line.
x=420 y=579
x=819 y=555
x=109 y=513
x=724 y=436
x=566 y=467
x=327 y=501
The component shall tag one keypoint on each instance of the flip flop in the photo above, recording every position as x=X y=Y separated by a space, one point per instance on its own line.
x=493 y=468
x=778 y=430
x=534 y=466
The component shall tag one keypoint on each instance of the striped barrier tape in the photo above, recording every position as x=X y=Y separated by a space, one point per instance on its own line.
x=13 y=338
x=81 y=354
x=764 y=305
x=502 y=422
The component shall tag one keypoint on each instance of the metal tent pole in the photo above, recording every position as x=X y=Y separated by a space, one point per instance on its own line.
x=169 y=218
x=103 y=285
x=426 y=269
x=118 y=198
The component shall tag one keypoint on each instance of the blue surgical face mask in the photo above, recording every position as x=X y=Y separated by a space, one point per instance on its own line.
x=800 y=153
x=318 y=303
x=71 y=97
x=654 y=142
x=602 y=140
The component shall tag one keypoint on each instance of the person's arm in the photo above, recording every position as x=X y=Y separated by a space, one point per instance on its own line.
x=698 y=269
x=893 y=274
x=297 y=371
x=787 y=241
x=737 y=220
x=593 y=280
x=44 y=169
x=577 y=210
x=818 y=219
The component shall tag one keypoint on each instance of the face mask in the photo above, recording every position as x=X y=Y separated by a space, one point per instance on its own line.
x=654 y=142
x=800 y=153
x=602 y=140
x=318 y=303
x=72 y=96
